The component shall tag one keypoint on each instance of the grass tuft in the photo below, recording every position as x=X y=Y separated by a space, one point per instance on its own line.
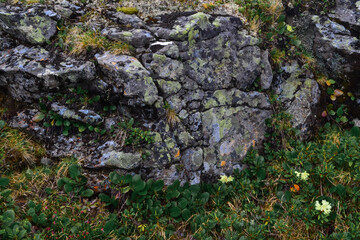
x=79 y=41
x=17 y=149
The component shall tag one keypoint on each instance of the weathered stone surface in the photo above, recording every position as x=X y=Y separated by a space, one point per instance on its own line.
x=126 y=19
x=6 y=42
x=63 y=11
x=135 y=37
x=214 y=57
x=334 y=41
x=300 y=95
x=82 y=115
x=266 y=71
x=128 y=75
x=30 y=73
x=230 y=131
x=188 y=85
x=31 y=25
x=193 y=159
x=121 y=160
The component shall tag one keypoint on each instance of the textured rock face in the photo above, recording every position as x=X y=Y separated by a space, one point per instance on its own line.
x=300 y=95
x=334 y=41
x=190 y=80
x=31 y=73
x=34 y=25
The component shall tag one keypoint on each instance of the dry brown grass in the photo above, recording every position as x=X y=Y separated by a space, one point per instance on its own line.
x=171 y=117
x=274 y=8
x=79 y=41
x=17 y=149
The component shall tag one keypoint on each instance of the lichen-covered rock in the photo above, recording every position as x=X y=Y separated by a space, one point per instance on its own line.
x=230 y=131
x=31 y=73
x=31 y=25
x=266 y=72
x=188 y=85
x=128 y=75
x=82 y=115
x=126 y=19
x=192 y=159
x=337 y=47
x=216 y=53
x=300 y=96
x=121 y=160
x=334 y=41
x=135 y=37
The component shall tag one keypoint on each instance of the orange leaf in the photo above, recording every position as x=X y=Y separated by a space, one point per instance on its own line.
x=328 y=83
x=223 y=163
x=177 y=154
x=338 y=93
x=297 y=187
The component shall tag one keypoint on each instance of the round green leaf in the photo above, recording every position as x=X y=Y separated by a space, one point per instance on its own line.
x=74 y=171
x=186 y=214
x=87 y=193
x=2 y=124
x=67 y=123
x=38 y=117
x=4 y=182
x=175 y=212
x=8 y=217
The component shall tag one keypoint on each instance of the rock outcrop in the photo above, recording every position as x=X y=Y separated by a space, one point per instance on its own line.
x=334 y=41
x=191 y=81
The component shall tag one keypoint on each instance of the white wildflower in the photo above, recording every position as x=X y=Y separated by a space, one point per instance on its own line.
x=324 y=207
x=303 y=176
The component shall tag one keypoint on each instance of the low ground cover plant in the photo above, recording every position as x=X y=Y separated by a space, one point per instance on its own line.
x=309 y=190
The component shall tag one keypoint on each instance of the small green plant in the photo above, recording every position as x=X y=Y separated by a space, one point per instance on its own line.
x=135 y=136
x=76 y=183
x=337 y=110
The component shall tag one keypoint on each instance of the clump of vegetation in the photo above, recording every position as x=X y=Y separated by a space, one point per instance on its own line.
x=17 y=149
x=80 y=41
x=171 y=116
x=297 y=190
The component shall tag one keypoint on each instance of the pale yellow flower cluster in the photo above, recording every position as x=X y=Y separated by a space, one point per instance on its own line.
x=324 y=207
x=303 y=176
x=225 y=179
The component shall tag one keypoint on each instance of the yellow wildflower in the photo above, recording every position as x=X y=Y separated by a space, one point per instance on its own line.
x=226 y=179
x=289 y=28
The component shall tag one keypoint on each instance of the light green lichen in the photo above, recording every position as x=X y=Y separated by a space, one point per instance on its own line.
x=169 y=87
x=159 y=58
x=157 y=137
x=127 y=34
x=211 y=103
x=185 y=138
x=217 y=23
x=220 y=96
